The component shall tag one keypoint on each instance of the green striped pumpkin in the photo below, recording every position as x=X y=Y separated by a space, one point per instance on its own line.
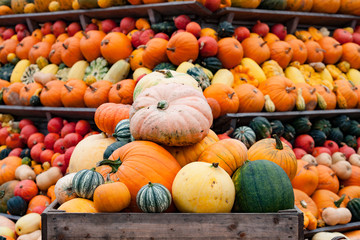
x=262 y=186
x=200 y=76
x=85 y=182
x=354 y=207
x=342 y=121
x=153 y=198
x=318 y=136
x=261 y=127
x=302 y=125
x=245 y=135
x=277 y=128
x=354 y=128
x=323 y=125
x=122 y=131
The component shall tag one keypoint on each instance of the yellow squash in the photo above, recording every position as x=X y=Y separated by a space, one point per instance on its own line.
x=19 y=70
x=294 y=75
x=272 y=68
x=77 y=71
x=118 y=71
x=354 y=76
x=223 y=76
x=183 y=67
x=254 y=69
x=51 y=68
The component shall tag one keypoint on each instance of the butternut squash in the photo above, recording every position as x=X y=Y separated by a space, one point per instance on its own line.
x=338 y=156
x=50 y=177
x=334 y=216
x=355 y=160
x=324 y=159
x=24 y=172
x=342 y=169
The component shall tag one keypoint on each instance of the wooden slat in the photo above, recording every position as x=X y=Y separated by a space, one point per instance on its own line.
x=337 y=228
x=11 y=217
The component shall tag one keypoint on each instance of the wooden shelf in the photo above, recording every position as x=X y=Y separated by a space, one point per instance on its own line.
x=11 y=217
x=337 y=228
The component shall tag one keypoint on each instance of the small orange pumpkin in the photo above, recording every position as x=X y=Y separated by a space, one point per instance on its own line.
x=315 y=52
x=225 y=96
x=97 y=93
x=115 y=46
x=327 y=179
x=72 y=93
x=108 y=115
x=354 y=180
x=90 y=44
x=215 y=107
x=281 y=52
x=8 y=46
x=155 y=52
x=308 y=93
x=70 y=52
x=331 y=6
x=23 y=48
x=50 y=96
x=182 y=47
x=40 y=49
x=329 y=96
x=27 y=91
x=345 y=88
x=351 y=54
x=350 y=192
x=55 y=53
x=305 y=203
x=122 y=92
x=11 y=94
x=136 y=58
x=230 y=52
x=306 y=178
x=7 y=168
x=251 y=99
x=256 y=49
x=299 y=50
x=333 y=50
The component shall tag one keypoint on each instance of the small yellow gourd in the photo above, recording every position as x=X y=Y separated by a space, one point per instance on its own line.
x=344 y=66
x=300 y=102
x=321 y=101
x=223 y=76
x=269 y=104
x=272 y=68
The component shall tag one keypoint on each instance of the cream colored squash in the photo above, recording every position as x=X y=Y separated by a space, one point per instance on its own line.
x=28 y=224
x=309 y=158
x=64 y=190
x=223 y=76
x=30 y=236
x=6 y=231
x=324 y=159
x=354 y=159
x=338 y=156
x=45 y=179
x=5 y=222
x=24 y=172
x=342 y=169
x=89 y=151
x=201 y=187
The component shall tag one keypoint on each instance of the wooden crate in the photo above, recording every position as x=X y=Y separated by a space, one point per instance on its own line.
x=58 y=225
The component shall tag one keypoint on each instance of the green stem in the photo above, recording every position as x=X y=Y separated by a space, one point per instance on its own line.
x=162 y=104
x=215 y=165
x=279 y=144
x=303 y=203
x=113 y=164
x=338 y=202
x=150 y=184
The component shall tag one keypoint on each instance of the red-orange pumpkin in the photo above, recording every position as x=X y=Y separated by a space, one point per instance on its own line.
x=281 y=52
x=40 y=49
x=115 y=46
x=90 y=44
x=251 y=99
x=97 y=93
x=256 y=49
x=309 y=95
x=155 y=52
x=333 y=49
x=70 y=52
x=23 y=48
x=315 y=52
x=230 y=52
x=182 y=47
x=122 y=92
x=299 y=50
x=108 y=115
x=225 y=96
x=50 y=96
x=351 y=54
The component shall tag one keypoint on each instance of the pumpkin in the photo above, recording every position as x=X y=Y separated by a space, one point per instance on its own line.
x=24 y=47
x=324 y=198
x=136 y=58
x=7 y=47
x=261 y=127
x=122 y=131
x=154 y=108
x=225 y=96
x=305 y=203
x=50 y=96
x=7 y=168
x=150 y=161
x=230 y=52
x=256 y=49
x=300 y=52
x=251 y=99
x=315 y=52
x=351 y=54
x=353 y=235
x=26 y=189
x=115 y=46
x=50 y=38
x=331 y=6
x=27 y=91
x=153 y=198
x=97 y=93
x=122 y=92
x=85 y=182
x=345 y=89
x=354 y=180
x=327 y=179
x=299 y=5
x=350 y=192
x=329 y=96
x=187 y=154
x=246 y=135
x=308 y=93
x=263 y=198
x=17 y=206
x=354 y=207
x=333 y=50
x=90 y=44
x=55 y=53
x=270 y=38
x=182 y=47
x=229 y=153
x=11 y=94
x=89 y=151
x=108 y=115
x=200 y=180
x=200 y=76
x=112 y=147
x=38 y=201
x=6 y=192
x=64 y=190
x=155 y=52
x=72 y=93
x=349 y=7
x=6 y=222
x=71 y=52
x=281 y=91
x=306 y=178
x=215 y=107
x=276 y=151
x=281 y=52
x=40 y=49
x=78 y=205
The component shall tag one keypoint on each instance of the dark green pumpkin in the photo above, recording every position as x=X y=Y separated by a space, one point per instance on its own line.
x=165 y=65
x=6 y=192
x=211 y=63
x=354 y=207
x=112 y=147
x=342 y=121
x=350 y=141
x=354 y=128
x=245 y=135
x=225 y=29
x=25 y=153
x=200 y=76
x=318 y=136
x=26 y=161
x=289 y=132
x=262 y=186
x=4 y=153
x=273 y=4
x=165 y=27
x=122 y=131
x=86 y=4
x=277 y=128
x=323 y=125
x=6 y=70
x=261 y=127
x=302 y=125
x=336 y=135
x=85 y=182
x=17 y=206
x=35 y=100
x=153 y=198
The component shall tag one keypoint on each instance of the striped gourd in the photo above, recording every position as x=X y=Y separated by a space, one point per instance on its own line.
x=245 y=135
x=122 y=131
x=153 y=198
x=85 y=182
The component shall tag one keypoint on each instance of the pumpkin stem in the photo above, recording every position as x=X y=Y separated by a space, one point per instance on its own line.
x=85 y=35
x=113 y=164
x=46 y=88
x=320 y=50
x=2 y=194
x=231 y=95
x=312 y=91
x=255 y=90
x=118 y=86
x=64 y=46
x=289 y=89
x=262 y=44
x=150 y=184
x=162 y=104
x=2 y=47
x=303 y=204
x=171 y=49
x=21 y=44
x=279 y=144
x=36 y=46
x=26 y=88
x=202 y=44
x=338 y=238
x=167 y=73
x=93 y=88
x=288 y=50
x=307 y=166
x=105 y=42
x=108 y=180
x=69 y=88
x=215 y=165
x=338 y=202
x=337 y=45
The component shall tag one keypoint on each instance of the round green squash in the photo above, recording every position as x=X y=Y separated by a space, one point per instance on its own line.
x=245 y=135
x=350 y=141
x=164 y=65
x=342 y=121
x=336 y=135
x=6 y=192
x=17 y=206
x=4 y=153
x=262 y=186
x=122 y=131
x=212 y=63
x=112 y=147
x=318 y=136
x=302 y=125
x=261 y=127
x=323 y=125
x=85 y=182
x=354 y=128
x=25 y=153
x=153 y=198
x=273 y=4
x=277 y=128
x=225 y=29
x=200 y=76
x=354 y=207
x=289 y=132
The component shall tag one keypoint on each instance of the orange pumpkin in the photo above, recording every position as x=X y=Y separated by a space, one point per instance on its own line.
x=97 y=93
x=325 y=198
x=281 y=52
x=108 y=115
x=27 y=91
x=306 y=178
x=150 y=161
x=305 y=203
x=90 y=44
x=111 y=197
x=23 y=48
x=40 y=49
x=7 y=168
x=215 y=107
x=315 y=52
x=37 y=34
x=8 y=46
x=55 y=53
x=4 y=83
x=122 y=92
x=353 y=235
x=50 y=38
x=345 y=88
x=51 y=193
x=209 y=32
x=351 y=54
x=354 y=180
x=350 y=192
x=50 y=96
x=70 y=52
x=327 y=179
x=329 y=96
x=62 y=37
x=330 y=6
x=78 y=205
x=115 y=46
x=251 y=99
x=276 y=151
x=299 y=5
x=72 y=93
x=256 y=49
x=230 y=52
x=333 y=50
x=136 y=58
x=11 y=94
x=182 y=47
x=225 y=96
x=299 y=50
x=308 y=93
x=282 y=92
x=350 y=7
x=270 y=38
x=155 y=52
x=38 y=201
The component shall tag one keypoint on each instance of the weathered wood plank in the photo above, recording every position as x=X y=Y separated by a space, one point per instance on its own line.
x=337 y=228
x=11 y=217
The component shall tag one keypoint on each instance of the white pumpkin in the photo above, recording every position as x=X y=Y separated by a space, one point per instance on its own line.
x=64 y=190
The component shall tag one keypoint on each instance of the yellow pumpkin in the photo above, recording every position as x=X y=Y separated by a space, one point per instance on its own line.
x=78 y=205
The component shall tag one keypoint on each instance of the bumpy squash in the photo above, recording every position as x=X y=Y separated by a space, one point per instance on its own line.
x=153 y=198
